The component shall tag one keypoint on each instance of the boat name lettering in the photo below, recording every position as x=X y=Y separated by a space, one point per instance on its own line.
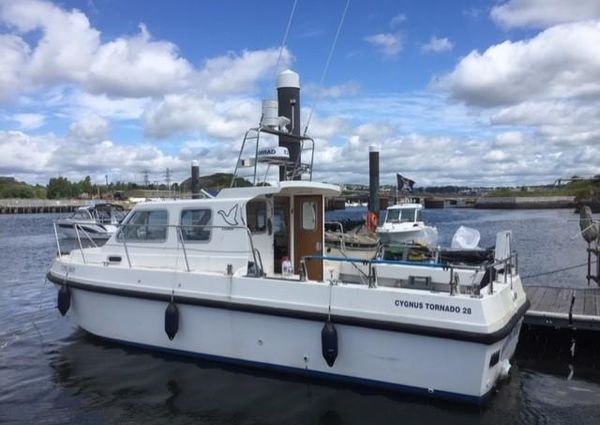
x=419 y=305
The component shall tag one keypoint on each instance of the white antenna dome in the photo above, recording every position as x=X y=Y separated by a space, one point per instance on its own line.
x=288 y=78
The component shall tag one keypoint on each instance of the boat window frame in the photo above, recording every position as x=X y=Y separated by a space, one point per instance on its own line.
x=419 y=215
x=412 y=219
x=266 y=215
x=209 y=225
x=83 y=215
x=129 y=218
x=315 y=216
x=390 y=212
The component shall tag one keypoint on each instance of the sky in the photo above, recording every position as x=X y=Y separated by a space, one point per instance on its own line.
x=462 y=92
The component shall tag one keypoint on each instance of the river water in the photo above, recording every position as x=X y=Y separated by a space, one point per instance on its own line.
x=53 y=373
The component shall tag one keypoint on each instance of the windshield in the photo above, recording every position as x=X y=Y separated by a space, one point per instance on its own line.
x=404 y=215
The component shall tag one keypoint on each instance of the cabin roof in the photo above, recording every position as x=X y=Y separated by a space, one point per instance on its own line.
x=244 y=194
x=293 y=187
x=404 y=206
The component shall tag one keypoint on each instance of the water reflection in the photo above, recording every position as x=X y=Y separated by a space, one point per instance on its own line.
x=153 y=387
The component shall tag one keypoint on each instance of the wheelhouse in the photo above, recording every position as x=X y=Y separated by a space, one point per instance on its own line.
x=407 y=213
x=245 y=230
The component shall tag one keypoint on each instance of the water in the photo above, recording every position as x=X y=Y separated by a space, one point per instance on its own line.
x=53 y=373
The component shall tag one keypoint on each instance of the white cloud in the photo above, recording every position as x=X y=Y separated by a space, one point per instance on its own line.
x=79 y=104
x=562 y=61
x=390 y=45
x=215 y=108
x=89 y=130
x=543 y=13
x=397 y=20
x=538 y=121
x=437 y=45
x=37 y=158
x=67 y=43
x=350 y=88
x=69 y=50
x=234 y=73
x=189 y=113
x=138 y=67
x=14 y=53
x=29 y=121
x=509 y=138
x=325 y=128
x=495 y=156
x=24 y=154
x=66 y=46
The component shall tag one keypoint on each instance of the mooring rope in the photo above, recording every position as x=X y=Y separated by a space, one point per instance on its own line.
x=558 y=270
x=320 y=87
x=285 y=36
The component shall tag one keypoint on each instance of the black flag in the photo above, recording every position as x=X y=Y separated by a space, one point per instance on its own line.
x=404 y=184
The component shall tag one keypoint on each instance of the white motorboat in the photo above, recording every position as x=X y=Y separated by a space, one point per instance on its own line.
x=98 y=220
x=204 y=278
x=404 y=224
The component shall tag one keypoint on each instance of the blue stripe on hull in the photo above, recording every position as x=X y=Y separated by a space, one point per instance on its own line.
x=332 y=377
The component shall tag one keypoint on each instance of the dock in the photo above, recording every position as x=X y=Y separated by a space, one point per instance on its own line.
x=564 y=308
x=37 y=206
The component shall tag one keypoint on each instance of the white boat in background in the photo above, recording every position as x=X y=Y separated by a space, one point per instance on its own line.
x=98 y=220
x=404 y=224
x=241 y=278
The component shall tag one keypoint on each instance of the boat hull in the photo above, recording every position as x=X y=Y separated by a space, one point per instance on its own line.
x=425 y=236
x=434 y=366
x=95 y=231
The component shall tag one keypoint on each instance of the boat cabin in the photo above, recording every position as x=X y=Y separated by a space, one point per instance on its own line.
x=100 y=212
x=250 y=230
x=404 y=213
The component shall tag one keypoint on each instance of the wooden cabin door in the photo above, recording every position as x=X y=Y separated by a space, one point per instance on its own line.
x=308 y=233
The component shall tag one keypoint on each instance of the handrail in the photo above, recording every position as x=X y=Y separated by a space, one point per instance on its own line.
x=180 y=239
x=297 y=166
x=79 y=226
x=76 y=227
x=56 y=238
x=259 y=271
x=126 y=251
x=121 y=237
x=345 y=258
x=342 y=241
x=453 y=286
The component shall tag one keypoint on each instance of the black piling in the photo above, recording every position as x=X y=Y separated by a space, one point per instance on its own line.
x=288 y=97
x=195 y=180
x=373 y=216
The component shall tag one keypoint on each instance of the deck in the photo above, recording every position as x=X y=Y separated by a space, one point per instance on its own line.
x=574 y=308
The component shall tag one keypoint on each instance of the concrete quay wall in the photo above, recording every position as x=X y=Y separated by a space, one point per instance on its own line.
x=526 y=202
x=38 y=206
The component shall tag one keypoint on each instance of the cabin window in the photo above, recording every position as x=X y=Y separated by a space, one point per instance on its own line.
x=193 y=224
x=145 y=226
x=408 y=215
x=80 y=215
x=393 y=216
x=103 y=215
x=309 y=215
x=419 y=215
x=256 y=216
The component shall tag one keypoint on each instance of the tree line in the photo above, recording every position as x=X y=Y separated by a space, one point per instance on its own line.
x=59 y=187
